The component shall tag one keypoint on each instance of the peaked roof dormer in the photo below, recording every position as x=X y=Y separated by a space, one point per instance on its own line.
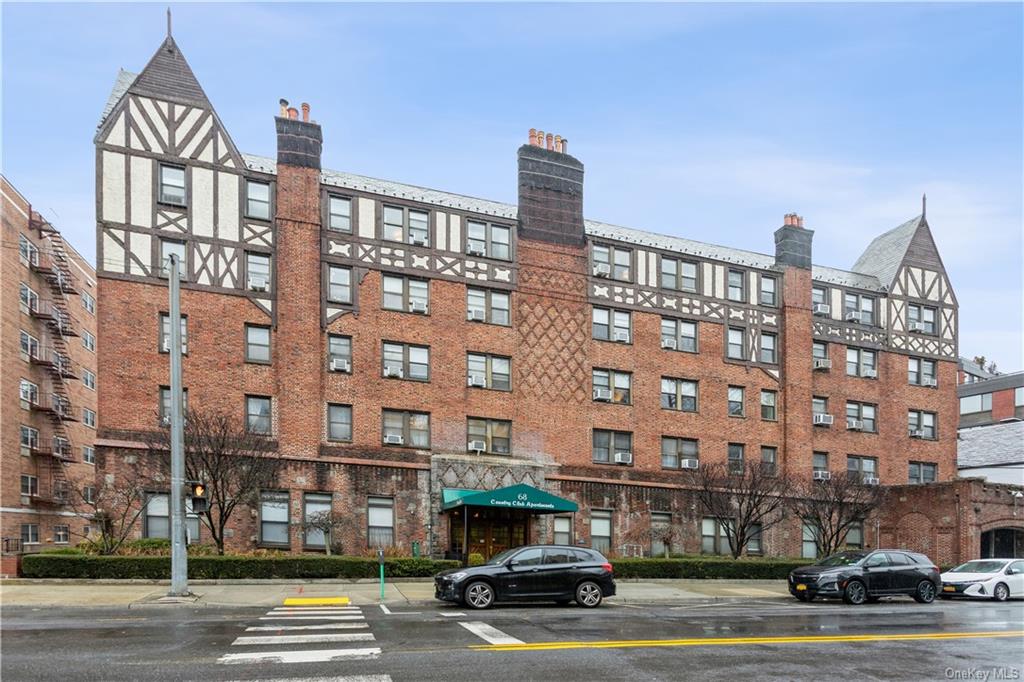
x=885 y=254
x=168 y=76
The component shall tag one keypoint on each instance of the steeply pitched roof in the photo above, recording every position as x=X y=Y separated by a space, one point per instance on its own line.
x=168 y=76
x=884 y=254
x=123 y=81
x=995 y=444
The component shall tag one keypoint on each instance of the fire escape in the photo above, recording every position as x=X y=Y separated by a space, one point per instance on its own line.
x=53 y=266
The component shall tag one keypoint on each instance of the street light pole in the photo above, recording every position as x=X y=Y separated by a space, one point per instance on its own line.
x=179 y=555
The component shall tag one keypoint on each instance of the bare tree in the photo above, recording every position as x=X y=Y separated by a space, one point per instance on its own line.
x=831 y=507
x=329 y=523
x=233 y=463
x=110 y=506
x=742 y=497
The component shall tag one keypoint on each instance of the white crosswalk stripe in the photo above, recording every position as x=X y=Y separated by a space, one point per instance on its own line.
x=344 y=678
x=324 y=617
x=304 y=639
x=329 y=626
x=307 y=656
x=489 y=633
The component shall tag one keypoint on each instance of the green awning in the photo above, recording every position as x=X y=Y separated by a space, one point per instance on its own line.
x=521 y=496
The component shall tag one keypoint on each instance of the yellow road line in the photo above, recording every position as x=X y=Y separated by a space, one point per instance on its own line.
x=316 y=601
x=719 y=641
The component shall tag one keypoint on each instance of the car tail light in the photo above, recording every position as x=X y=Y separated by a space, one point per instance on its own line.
x=607 y=566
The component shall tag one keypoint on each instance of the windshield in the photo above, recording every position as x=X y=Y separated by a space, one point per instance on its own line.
x=979 y=567
x=500 y=558
x=842 y=559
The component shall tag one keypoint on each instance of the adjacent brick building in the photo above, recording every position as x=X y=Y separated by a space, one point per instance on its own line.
x=49 y=379
x=402 y=346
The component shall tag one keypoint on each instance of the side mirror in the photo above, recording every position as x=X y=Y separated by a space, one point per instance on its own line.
x=1011 y=571
x=512 y=564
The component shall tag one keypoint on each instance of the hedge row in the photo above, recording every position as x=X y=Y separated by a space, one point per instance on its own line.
x=224 y=567
x=701 y=568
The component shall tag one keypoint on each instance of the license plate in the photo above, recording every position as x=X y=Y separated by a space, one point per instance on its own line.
x=801 y=588
x=949 y=588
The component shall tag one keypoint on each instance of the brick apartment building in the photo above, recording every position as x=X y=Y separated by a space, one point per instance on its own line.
x=408 y=349
x=49 y=379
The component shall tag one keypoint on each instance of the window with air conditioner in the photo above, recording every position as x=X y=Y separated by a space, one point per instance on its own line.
x=616 y=385
x=406 y=294
x=679 y=394
x=339 y=353
x=679 y=335
x=606 y=443
x=488 y=240
x=679 y=453
x=861 y=417
x=921 y=424
x=406 y=225
x=819 y=462
x=615 y=260
x=257 y=272
x=678 y=275
x=863 y=469
x=489 y=306
x=489 y=371
x=859 y=308
x=820 y=303
x=406 y=361
x=861 y=362
x=606 y=324
x=494 y=434
x=408 y=428
x=921 y=318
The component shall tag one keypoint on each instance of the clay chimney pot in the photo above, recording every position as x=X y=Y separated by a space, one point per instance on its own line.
x=533 y=137
x=305 y=112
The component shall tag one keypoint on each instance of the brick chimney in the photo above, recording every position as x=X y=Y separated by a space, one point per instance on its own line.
x=550 y=191
x=299 y=142
x=793 y=243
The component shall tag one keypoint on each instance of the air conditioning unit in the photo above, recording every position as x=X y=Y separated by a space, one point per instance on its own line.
x=602 y=394
x=823 y=419
x=916 y=433
x=821 y=475
x=669 y=343
x=621 y=337
x=854 y=424
x=477 y=446
x=476 y=380
x=689 y=464
x=916 y=327
x=602 y=270
x=821 y=309
x=821 y=363
x=472 y=250
x=476 y=315
x=930 y=382
x=417 y=241
x=393 y=371
x=870 y=373
x=393 y=439
x=623 y=457
x=417 y=307
x=852 y=316
x=341 y=365
x=257 y=283
x=869 y=480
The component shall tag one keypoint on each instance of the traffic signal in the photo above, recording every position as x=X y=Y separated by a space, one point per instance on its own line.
x=200 y=504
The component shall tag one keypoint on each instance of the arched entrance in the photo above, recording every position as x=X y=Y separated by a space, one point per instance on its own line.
x=1003 y=543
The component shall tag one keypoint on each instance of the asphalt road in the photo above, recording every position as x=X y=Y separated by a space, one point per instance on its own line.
x=771 y=639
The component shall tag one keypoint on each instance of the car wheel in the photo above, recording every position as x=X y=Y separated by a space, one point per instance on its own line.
x=855 y=593
x=1001 y=592
x=478 y=595
x=925 y=592
x=588 y=594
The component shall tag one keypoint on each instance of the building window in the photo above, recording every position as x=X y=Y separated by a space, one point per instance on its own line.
x=819 y=296
x=257 y=414
x=494 y=434
x=678 y=394
x=315 y=507
x=257 y=343
x=859 y=308
x=406 y=294
x=819 y=405
x=861 y=468
x=406 y=225
x=809 y=537
x=89 y=495
x=487 y=305
x=29 y=485
x=861 y=362
x=921 y=372
x=754 y=539
x=923 y=472
x=679 y=335
x=28 y=299
x=734 y=347
x=257 y=271
x=165 y=404
x=89 y=418
x=339 y=353
x=170 y=248
x=405 y=361
x=274 y=518
x=489 y=371
x=88 y=303
x=679 y=275
x=737 y=282
x=61 y=534
x=819 y=350
x=921 y=424
x=29 y=439
x=27 y=251
x=661 y=523
x=88 y=454
x=612 y=386
x=768 y=348
x=861 y=413
x=736 y=400
x=339 y=422
x=607 y=444
x=339 y=214
x=976 y=403
x=769 y=456
x=618 y=261
x=820 y=461
x=88 y=342
x=157 y=520
x=402 y=427
x=29 y=534
x=563 y=530
x=29 y=346
x=172 y=185
x=257 y=200
x=28 y=393
x=736 y=458
x=1018 y=396
x=713 y=537
x=921 y=318
x=339 y=285
x=89 y=379
x=165 y=333
x=768 y=296
x=768 y=405
x=675 y=450
x=611 y=325
x=485 y=239
x=380 y=523
x=855 y=536
x=601 y=530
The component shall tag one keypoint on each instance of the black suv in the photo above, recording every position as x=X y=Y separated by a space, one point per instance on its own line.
x=535 y=572
x=865 y=576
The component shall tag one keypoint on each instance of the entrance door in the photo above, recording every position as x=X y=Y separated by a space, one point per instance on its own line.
x=490 y=530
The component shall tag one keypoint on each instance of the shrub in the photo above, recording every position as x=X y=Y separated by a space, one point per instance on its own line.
x=64 y=550
x=476 y=559
x=707 y=567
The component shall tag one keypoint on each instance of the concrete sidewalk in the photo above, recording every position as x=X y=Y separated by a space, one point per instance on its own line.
x=272 y=593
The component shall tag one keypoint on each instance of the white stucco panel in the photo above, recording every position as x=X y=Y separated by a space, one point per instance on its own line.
x=202 y=202
x=367 y=218
x=227 y=208
x=455 y=232
x=719 y=288
x=752 y=288
x=707 y=271
x=113 y=187
x=441 y=230
x=116 y=134
x=641 y=267
x=142 y=192
x=159 y=128
x=113 y=252
x=142 y=250
x=837 y=303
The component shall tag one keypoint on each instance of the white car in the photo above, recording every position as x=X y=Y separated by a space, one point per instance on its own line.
x=997 y=579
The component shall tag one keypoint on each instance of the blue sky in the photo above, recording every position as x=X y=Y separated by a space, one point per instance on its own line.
x=705 y=121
